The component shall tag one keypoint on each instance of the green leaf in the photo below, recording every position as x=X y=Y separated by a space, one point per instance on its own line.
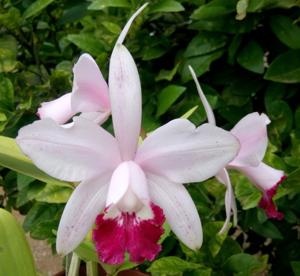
x=244 y=264
x=3 y=121
x=87 y=42
x=226 y=24
x=15 y=254
x=54 y=194
x=205 y=43
x=102 y=4
x=36 y=7
x=259 y=5
x=285 y=68
x=153 y=52
x=229 y=247
x=251 y=57
x=29 y=193
x=275 y=91
x=213 y=239
x=11 y=19
x=86 y=251
x=189 y=113
x=75 y=12
x=6 y=94
x=286 y=31
x=112 y=27
x=11 y=157
x=8 y=53
x=214 y=9
x=297 y=118
x=167 y=74
x=171 y=266
x=42 y=220
x=296 y=267
x=292 y=183
x=233 y=48
x=23 y=181
x=166 y=6
x=246 y=193
x=281 y=116
x=268 y=230
x=167 y=97
x=200 y=64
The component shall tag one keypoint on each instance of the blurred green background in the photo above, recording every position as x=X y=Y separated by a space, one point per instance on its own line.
x=246 y=54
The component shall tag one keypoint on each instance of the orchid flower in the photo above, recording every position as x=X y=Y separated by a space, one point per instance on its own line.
x=251 y=131
x=126 y=191
x=89 y=95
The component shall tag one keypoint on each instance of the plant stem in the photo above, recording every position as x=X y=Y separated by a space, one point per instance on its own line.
x=91 y=268
x=74 y=266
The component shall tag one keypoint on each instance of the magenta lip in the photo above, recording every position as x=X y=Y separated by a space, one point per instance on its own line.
x=268 y=204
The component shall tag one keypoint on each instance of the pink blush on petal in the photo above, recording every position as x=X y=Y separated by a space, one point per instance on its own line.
x=128 y=233
x=267 y=203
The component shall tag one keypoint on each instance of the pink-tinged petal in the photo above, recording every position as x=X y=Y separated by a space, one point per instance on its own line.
x=58 y=110
x=125 y=96
x=127 y=232
x=71 y=154
x=97 y=117
x=86 y=202
x=90 y=90
x=267 y=179
x=184 y=154
x=128 y=24
x=128 y=188
x=179 y=209
x=209 y=112
x=230 y=204
x=251 y=131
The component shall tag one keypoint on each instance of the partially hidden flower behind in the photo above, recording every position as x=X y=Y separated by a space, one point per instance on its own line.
x=126 y=191
x=89 y=95
x=251 y=131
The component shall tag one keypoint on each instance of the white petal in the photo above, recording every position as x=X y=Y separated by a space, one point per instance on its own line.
x=179 y=209
x=125 y=96
x=58 y=110
x=264 y=177
x=209 y=112
x=86 y=202
x=90 y=91
x=185 y=154
x=97 y=117
x=72 y=154
x=252 y=134
x=230 y=203
x=128 y=24
x=128 y=182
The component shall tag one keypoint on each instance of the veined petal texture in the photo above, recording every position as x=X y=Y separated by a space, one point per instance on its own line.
x=126 y=102
x=183 y=153
x=71 y=154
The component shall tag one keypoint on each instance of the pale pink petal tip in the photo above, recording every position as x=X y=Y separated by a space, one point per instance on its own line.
x=128 y=233
x=268 y=204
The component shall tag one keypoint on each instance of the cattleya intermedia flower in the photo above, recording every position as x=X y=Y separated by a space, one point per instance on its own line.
x=251 y=131
x=126 y=192
x=89 y=95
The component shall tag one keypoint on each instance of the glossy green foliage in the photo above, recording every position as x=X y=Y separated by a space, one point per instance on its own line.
x=15 y=255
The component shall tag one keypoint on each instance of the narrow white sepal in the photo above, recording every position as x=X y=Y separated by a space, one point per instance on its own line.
x=209 y=112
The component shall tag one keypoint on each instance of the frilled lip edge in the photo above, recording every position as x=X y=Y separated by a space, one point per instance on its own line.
x=126 y=232
x=268 y=204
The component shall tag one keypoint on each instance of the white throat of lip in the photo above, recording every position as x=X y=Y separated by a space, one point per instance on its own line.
x=130 y=202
